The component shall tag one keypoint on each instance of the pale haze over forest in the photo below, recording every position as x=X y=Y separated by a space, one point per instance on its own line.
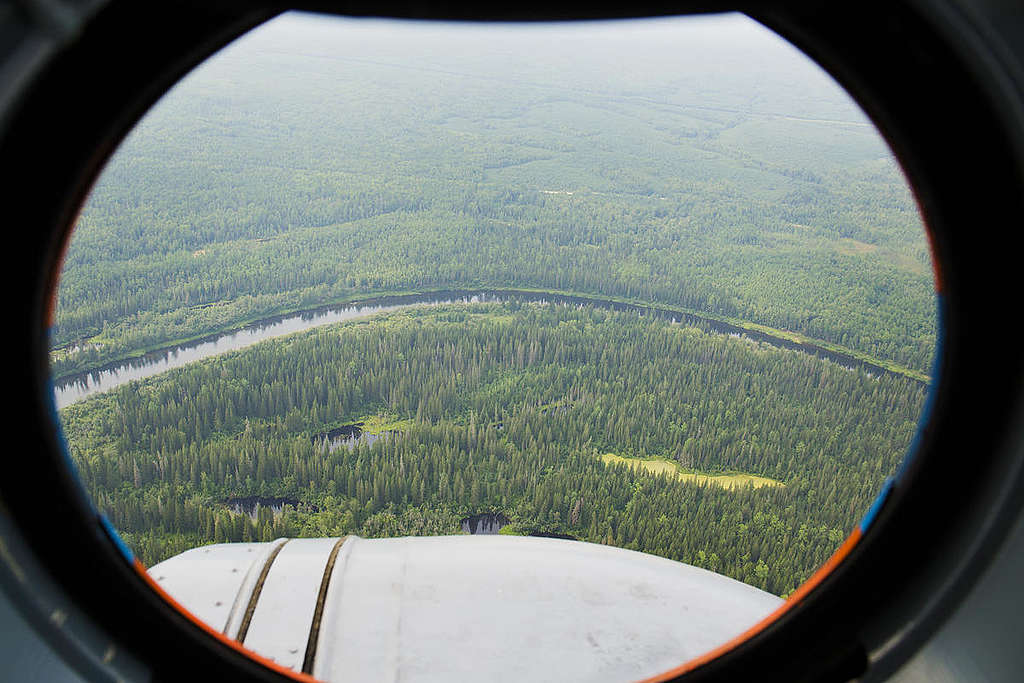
x=699 y=171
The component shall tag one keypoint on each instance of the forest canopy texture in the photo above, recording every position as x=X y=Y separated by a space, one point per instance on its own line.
x=504 y=408
x=701 y=165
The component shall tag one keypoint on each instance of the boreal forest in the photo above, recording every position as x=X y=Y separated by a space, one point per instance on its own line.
x=701 y=165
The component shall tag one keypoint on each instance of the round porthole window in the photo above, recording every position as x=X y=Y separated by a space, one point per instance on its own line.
x=495 y=350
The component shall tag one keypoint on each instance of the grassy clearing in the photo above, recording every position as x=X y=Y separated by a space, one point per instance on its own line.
x=661 y=466
x=380 y=424
x=852 y=247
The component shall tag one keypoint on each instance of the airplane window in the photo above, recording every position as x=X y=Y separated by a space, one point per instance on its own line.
x=493 y=350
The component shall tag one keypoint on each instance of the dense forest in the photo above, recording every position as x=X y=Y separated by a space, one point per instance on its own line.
x=696 y=165
x=299 y=168
x=503 y=408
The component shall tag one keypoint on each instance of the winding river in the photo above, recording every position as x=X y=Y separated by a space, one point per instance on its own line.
x=74 y=388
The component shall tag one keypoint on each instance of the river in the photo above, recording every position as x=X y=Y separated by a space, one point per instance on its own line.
x=74 y=388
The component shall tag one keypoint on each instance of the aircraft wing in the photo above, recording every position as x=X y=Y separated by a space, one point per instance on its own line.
x=459 y=607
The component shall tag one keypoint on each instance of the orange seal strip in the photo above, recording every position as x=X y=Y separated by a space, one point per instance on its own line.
x=799 y=594
x=233 y=644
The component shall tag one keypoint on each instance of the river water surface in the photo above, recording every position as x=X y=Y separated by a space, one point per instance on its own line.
x=74 y=388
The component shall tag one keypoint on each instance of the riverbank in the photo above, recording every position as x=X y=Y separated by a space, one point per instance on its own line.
x=141 y=363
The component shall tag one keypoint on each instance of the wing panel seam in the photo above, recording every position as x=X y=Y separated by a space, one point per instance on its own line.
x=318 y=613
x=243 y=630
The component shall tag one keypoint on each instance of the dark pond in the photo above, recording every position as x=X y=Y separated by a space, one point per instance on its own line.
x=551 y=534
x=488 y=523
x=347 y=435
x=249 y=505
x=485 y=523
